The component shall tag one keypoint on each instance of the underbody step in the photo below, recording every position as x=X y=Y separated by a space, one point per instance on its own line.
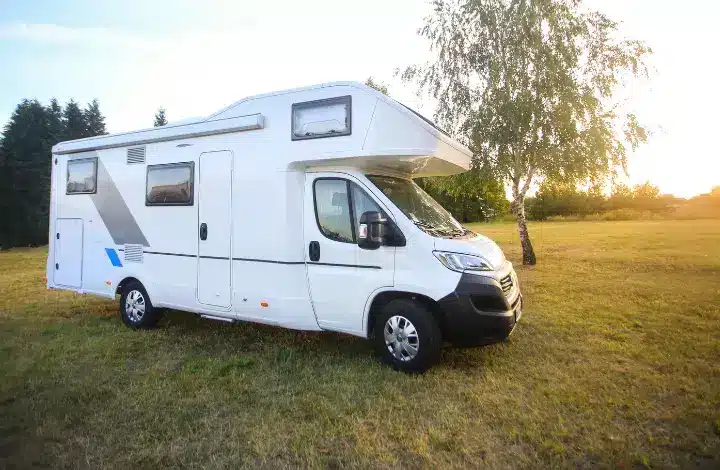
x=213 y=317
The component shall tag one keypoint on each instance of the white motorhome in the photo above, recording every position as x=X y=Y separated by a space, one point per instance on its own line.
x=296 y=209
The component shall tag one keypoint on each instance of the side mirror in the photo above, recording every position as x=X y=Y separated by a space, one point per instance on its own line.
x=371 y=233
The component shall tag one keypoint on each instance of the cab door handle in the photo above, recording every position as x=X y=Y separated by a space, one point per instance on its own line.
x=203 y=231
x=314 y=251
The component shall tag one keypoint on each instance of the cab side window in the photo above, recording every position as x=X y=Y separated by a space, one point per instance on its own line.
x=339 y=204
x=332 y=209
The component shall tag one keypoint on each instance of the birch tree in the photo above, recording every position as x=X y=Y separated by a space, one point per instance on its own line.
x=531 y=86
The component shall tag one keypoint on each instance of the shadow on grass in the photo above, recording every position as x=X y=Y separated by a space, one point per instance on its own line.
x=209 y=335
x=212 y=337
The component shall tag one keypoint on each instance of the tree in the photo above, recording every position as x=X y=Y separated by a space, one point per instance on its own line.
x=25 y=175
x=621 y=197
x=472 y=196
x=160 y=119
x=55 y=121
x=379 y=86
x=529 y=86
x=94 y=120
x=75 y=125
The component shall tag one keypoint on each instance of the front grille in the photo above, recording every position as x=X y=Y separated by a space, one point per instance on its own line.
x=507 y=284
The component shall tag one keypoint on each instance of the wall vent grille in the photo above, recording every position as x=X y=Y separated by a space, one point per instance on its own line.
x=134 y=253
x=136 y=155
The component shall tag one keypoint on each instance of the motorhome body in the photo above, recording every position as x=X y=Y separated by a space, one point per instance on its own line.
x=294 y=208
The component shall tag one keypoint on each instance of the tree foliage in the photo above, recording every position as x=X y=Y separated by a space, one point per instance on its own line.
x=75 y=124
x=160 y=119
x=94 y=120
x=25 y=164
x=529 y=85
x=470 y=196
x=379 y=86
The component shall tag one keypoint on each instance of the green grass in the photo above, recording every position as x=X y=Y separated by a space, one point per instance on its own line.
x=616 y=364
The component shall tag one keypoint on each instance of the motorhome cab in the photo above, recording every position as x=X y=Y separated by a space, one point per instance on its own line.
x=295 y=209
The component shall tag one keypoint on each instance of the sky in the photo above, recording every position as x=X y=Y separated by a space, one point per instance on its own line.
x=194 y=58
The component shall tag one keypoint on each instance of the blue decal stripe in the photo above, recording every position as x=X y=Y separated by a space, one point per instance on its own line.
x=114 y=259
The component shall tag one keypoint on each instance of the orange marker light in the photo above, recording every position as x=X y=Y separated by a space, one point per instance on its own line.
x=264 y=304
x=108 y=282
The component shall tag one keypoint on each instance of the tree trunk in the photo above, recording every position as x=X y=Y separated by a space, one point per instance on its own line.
x=527 y=248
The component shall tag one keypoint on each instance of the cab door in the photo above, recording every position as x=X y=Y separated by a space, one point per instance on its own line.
x=341 y=275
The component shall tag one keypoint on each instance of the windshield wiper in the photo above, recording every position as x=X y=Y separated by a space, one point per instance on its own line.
x=445 y=231
x=429 y=227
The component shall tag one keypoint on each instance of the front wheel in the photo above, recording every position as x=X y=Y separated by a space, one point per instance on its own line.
x=407 y=336
x=136 y=309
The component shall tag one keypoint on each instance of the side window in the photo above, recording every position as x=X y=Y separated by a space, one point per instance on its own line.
x=170 y=185
x=332 y=209
x=82 y=176
x=362 y=203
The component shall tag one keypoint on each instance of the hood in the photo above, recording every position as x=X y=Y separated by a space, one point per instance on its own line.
x=479 y=245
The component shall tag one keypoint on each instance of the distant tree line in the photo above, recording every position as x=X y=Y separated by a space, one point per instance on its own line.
x=567 y=199
x=25 y=163
x=553 y=200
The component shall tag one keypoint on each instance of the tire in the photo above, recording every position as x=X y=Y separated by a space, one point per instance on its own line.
x=136 y=310
x=403 y=316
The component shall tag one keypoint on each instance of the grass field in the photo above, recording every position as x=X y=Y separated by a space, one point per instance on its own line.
x=616 y=364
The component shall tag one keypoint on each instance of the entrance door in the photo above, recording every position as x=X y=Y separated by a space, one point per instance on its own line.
x=68 y=252
x=215 y=229
x=342 y=276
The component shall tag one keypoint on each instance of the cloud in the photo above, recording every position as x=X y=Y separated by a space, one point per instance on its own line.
x=64 y=36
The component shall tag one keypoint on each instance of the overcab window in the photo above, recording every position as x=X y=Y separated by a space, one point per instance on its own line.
x=322 y=118
x=170 y=184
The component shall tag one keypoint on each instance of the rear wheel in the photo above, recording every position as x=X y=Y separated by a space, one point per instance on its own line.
x=407 y=336
x=136 y=309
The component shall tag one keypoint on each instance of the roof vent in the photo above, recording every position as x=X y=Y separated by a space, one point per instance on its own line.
x=136 y=155
x=134 y=253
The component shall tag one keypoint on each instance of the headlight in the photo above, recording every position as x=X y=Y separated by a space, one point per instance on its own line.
x=458 y=262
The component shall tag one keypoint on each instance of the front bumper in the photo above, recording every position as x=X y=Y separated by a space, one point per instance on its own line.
x=478 y=312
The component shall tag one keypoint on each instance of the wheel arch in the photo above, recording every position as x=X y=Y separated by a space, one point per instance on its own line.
x=382 y=298
x=125 y=281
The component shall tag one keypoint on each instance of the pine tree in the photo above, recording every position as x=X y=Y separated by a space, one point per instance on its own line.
x=25 y=176
x=160 y=119
x=75 y=125
x=55 y=117
x=94 y=119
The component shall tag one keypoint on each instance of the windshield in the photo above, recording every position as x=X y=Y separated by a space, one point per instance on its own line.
x=419 y=207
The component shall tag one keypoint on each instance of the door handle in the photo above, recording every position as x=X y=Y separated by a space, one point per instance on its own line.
x=203 y=231
x=314 y=251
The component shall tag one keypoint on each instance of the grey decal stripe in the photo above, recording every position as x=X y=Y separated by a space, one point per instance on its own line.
x=255 y=260
x=170 y=254
x=114 y=212
x=363 y=266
